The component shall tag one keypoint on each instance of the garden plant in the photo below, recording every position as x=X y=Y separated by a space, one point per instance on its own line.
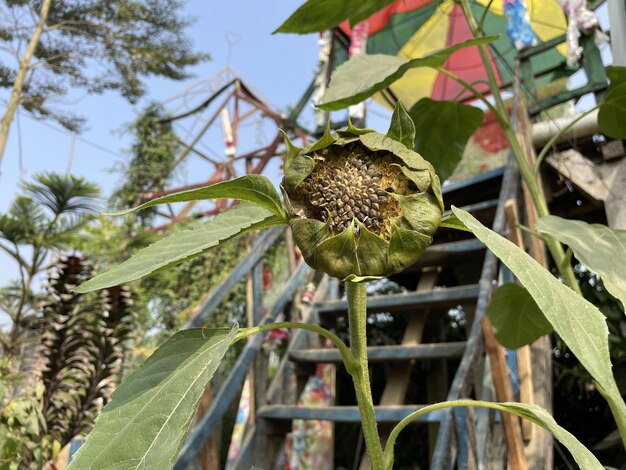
x=362 y=205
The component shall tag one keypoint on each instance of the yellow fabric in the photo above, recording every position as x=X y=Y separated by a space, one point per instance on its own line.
x=546 y=17
x=430 y=37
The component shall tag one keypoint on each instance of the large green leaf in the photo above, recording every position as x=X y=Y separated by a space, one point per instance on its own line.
x=612 y=113
x=363 y=75
x=147 y=420
x=583 y=456
x=442 y=128
x=319 y=15
x=516 y=317
x=579 y=323
x=598 y=247
x=184 y=245
x=256 y=189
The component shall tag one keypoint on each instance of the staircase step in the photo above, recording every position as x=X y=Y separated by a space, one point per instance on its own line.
x=344 y=414
x=384 y=353
x=406 y=302
x=445 y=254
x=477 y=207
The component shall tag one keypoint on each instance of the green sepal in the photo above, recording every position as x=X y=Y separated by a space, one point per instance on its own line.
x=325 y=141
x=352 y=131
x=308 y=235
x=292 y=150
x=300 y=168
x=372 y=253
x=375 y=141
x=406 y=247
x=337 y=255
x=422 y=178
x=356 y=279
x=402 y=128
x=420 y=211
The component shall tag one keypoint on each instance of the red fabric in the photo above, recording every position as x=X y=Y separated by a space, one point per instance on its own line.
x=490 y=135
x=380 y=19
x=465 y=63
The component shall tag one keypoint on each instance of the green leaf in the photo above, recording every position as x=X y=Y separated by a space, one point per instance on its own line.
x=256 y=189
x=319 y=15
x=442 y=129
x=612 y=112
x=363 y=75
x=402 y=128
x=516 y=317
x=453 y=222
x=183 y=245
x=146 y=422
x=596 y=246
x=533 y=413
x=579 y=323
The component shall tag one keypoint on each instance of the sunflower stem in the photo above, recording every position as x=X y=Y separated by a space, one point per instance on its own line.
x=525 y=169
x=360 y=375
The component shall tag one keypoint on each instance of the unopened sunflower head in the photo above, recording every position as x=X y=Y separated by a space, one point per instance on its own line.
x=361 y=204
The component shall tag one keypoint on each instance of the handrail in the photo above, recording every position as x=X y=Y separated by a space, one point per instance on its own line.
x=204 y=428
x=219 y=292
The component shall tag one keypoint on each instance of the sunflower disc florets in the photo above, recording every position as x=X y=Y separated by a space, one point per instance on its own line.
x=361 y=204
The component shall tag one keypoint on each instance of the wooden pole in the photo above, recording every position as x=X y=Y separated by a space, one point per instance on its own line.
x=504 y=392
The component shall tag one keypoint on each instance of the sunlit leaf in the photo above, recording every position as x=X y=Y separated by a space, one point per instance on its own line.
x=145 y=424
x=598 y=247
x=516 y=317
x=183 y=245
x=579 y=323
x=256 y=189
x=363 y=75
x=442 y=129
x=319 y=15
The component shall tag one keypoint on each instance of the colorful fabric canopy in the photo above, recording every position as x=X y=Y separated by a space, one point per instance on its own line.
x=414 y=28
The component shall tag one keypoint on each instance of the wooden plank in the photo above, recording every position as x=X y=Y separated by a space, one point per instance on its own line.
x=504 y=392
x=407 y=302
x=343 y=414
x=524 y=138
x=477 y=207
x=445 y=254
x=614 y=177
x=581 y=171
x=524 y=366
x=384 y=353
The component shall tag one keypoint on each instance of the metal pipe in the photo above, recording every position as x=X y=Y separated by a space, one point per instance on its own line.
x=542 y=132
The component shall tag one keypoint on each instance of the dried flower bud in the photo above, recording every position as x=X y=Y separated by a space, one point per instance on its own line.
x=361 y=204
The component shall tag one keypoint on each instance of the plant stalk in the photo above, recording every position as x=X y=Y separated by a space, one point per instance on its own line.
x=525 y=169
x=18 y=84
x=360 y=375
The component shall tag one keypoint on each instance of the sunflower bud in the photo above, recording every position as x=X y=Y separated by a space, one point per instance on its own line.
x=362 y=204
